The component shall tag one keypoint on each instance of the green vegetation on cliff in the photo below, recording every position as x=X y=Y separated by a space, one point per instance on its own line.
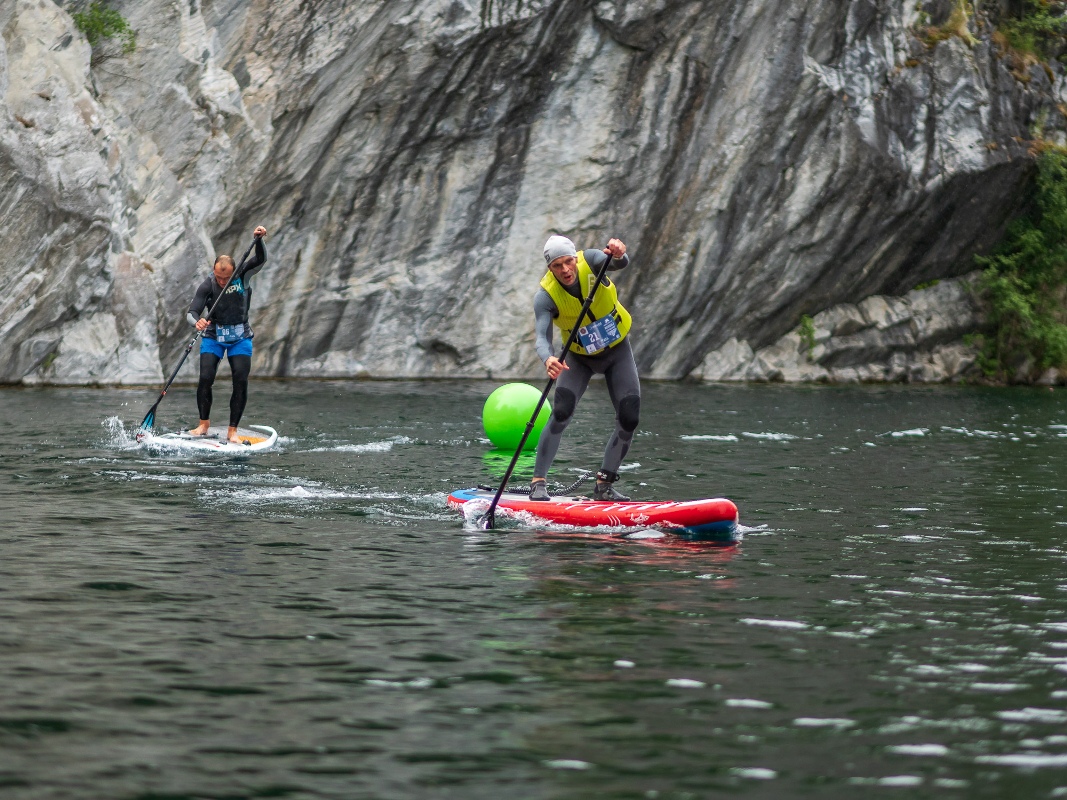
x=1038 y=29
x=807 y=334
x=1024 y=283
x=101 y=26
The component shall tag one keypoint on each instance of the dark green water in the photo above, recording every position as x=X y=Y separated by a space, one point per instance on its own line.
x=314 y=622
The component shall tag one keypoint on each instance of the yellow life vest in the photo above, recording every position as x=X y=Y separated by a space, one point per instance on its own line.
x=605 y=302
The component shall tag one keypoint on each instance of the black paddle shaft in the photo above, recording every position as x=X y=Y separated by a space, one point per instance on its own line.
x=489 y=517
x=150 y=418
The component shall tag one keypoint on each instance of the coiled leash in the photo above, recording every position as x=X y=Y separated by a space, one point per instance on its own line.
x=525 y=488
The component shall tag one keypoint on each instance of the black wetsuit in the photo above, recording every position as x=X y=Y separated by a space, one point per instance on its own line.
x=231 y=310
x=617 y=366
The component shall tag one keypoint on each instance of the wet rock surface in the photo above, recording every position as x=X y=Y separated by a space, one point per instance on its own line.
x=917 y=338
x=761 y=160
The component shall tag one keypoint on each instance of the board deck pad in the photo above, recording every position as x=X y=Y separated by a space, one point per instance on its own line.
x=253 y=438
x=710 y=519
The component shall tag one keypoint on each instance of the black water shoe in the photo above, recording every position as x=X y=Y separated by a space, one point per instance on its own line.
x=605 y=491
x=539 y=490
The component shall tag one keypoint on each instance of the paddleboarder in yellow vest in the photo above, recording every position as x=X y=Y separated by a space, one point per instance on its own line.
x=602 y=348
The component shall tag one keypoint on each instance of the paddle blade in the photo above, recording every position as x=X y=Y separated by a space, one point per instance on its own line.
x=149 y=419
x=487 y=520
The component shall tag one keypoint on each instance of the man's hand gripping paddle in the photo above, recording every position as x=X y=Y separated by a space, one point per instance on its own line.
x=150 y=418
x=488 y=519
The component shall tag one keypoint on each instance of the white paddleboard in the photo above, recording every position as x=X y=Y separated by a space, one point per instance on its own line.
x=253 y=438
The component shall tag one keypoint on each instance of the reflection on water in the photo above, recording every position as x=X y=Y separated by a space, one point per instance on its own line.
x=315 y=622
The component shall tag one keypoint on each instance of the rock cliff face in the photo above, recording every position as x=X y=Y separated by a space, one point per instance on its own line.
x=916 y=338
x=762 y=160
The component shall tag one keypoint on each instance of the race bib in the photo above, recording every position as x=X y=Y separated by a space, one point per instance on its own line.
x=600 y=334
x=228 y=334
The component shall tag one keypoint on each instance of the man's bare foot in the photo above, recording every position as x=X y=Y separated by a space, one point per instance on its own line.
x=201 y=429
x=232 y=437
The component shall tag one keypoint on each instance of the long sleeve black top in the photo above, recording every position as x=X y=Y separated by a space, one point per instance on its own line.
x=233 y=307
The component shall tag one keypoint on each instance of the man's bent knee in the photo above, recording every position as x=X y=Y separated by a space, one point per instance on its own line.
x=630 y=413
x=565 y=403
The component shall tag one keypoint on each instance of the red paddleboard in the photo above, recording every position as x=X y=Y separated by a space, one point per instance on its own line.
x=713 y=520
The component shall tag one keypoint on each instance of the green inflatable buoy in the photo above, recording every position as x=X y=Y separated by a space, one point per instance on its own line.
x=506 y=412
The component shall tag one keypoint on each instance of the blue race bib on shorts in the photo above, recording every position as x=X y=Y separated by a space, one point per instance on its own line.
x=228 y=334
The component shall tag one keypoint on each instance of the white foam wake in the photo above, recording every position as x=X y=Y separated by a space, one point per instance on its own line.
x=383 y=446
x=117 y=435
x=769 y=436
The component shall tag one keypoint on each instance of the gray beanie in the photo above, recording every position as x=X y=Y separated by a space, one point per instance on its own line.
x=558 y=246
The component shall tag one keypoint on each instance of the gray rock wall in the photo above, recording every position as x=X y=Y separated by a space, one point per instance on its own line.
x=761 y=160
x=918 y=338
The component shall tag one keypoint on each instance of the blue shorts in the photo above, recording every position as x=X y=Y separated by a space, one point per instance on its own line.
x=238 y=348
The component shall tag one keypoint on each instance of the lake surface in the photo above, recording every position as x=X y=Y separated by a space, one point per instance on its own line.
x=314 y=622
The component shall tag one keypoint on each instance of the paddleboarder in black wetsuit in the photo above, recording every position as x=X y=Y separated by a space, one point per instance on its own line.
x=603 y=348
x=227 y=333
